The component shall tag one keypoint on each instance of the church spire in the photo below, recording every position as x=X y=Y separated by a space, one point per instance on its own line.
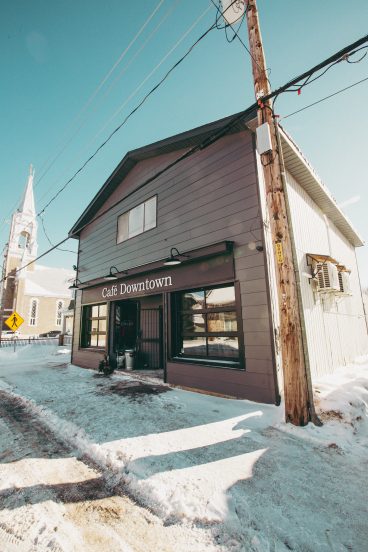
x=23 y=231
x=27 y=205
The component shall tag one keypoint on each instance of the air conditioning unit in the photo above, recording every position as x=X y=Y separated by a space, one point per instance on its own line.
x=344 y=282
x=326 y=276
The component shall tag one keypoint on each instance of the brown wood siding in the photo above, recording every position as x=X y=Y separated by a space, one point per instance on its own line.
x=210 y=197
x=255 y=387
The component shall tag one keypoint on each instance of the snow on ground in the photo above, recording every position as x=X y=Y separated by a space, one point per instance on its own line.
x=230 y=468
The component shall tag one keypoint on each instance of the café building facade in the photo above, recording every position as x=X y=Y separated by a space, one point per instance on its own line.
x=176 y=265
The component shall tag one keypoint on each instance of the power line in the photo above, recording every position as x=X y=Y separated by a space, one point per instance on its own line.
x=129 y=115
x=103 y=81
x=50 y=242
x=89 y=101
x=341 y=55
x=119 y=76
x=134 y=93
x=235 y=31
x=324 y=99
x=210 y=140
x=203 y=145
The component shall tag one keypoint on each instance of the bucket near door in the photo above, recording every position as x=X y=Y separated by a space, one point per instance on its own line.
x=129 y=359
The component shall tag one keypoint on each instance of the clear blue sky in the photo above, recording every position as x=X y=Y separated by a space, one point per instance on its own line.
x=54 y=56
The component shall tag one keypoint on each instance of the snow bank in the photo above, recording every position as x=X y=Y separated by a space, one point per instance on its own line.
x=232 y=466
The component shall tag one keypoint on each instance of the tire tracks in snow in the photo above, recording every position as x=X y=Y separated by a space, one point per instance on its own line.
x=53 y=501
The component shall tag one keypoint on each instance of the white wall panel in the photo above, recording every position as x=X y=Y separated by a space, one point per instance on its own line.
x=335 y=324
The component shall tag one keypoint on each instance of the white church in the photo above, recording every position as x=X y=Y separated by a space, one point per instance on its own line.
x=39 y=294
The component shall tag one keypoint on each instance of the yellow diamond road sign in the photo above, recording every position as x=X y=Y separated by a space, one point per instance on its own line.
x=14 y=321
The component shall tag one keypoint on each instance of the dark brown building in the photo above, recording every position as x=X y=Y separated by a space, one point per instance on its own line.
x=209 y=322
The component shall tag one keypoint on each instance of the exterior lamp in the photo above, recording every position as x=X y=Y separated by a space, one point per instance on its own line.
x=174 y=257
x=75 y=284
x=112 y=276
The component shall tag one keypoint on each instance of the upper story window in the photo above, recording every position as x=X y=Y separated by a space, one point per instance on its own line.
x=59 y=314
x=33 y=312
x=141 y=218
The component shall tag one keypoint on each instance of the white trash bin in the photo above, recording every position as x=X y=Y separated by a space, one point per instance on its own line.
x=129 y=359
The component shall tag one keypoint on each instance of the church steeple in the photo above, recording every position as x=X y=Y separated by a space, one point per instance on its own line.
x=23 y=232
x=27 y=205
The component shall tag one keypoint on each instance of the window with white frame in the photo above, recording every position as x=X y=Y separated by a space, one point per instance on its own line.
x=59 y=315
x=141 y=218
x=33 y=312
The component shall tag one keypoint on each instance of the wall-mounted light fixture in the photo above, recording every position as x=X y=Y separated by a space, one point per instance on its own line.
x=113 y=275
x=75 y=284
x=174 y=257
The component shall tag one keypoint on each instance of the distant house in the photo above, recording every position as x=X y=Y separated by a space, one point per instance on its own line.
x=39 y=294
x=176 y=266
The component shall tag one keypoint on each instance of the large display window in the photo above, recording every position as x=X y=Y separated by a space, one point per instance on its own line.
x=205 y=326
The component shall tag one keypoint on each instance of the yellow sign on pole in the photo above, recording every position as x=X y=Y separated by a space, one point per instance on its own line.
x=14 y=321
x=279 y=253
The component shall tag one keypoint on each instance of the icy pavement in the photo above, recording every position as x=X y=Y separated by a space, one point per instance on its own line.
x=228 y=473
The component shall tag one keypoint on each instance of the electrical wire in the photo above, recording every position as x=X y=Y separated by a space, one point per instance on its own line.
x=84 y=108
x=212 y=139
x=324 y=99
x=103 y=81
x=295 y=85
x=138 y=106
x=203 y=145
x=236 y=33
x=120 y=75
x=206 y=143
x=331 y=60
x=50 y=242
x=134 y=93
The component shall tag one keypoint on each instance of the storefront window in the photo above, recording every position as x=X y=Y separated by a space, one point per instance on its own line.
x=94 y=326
x=205 y=325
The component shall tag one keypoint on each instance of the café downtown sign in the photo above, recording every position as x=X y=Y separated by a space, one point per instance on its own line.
x=122 y=289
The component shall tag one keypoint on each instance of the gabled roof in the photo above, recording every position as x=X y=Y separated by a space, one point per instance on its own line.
x=45 y=281
x=295 y=163
x=182 y=141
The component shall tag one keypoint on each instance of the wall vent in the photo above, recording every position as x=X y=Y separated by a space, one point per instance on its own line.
x=327 y=277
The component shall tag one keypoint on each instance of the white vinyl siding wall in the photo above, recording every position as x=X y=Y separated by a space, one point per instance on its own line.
x=335 y=324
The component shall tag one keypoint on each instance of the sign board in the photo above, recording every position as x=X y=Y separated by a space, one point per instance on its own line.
x=195 y=274
x=279 y=253
x=14 y=321
x=232 y=10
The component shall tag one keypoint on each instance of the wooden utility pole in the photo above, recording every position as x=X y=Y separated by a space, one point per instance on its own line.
x=297 y=394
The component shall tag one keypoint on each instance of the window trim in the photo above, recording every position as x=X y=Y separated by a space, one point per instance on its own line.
x=144 y=211
x=175 y=335
x=84 y=331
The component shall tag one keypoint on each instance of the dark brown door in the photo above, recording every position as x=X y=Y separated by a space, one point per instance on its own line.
x=150 y=344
